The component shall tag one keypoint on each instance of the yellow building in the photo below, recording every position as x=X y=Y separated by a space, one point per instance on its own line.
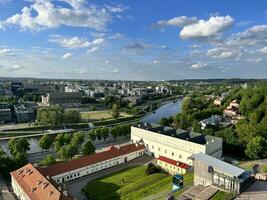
x=172 y=166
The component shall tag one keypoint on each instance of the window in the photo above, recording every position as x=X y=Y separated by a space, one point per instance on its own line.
x=152 y=146
x=165 y=151
x=180 y=156
x=158 y=149
x=172 y=154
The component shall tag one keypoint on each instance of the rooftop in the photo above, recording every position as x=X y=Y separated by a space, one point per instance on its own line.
x=110 y=153
x=178 y=133
x=37 y=186
x=219 y=165
x=173 y=162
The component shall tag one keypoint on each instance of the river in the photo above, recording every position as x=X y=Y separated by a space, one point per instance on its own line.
x=166 y=110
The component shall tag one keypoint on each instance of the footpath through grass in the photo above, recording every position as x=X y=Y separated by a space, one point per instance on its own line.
x=132 y=184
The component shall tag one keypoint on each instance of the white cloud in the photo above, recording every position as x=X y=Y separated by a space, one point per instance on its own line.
x=199 y=65
x=6 y=52
x=93 y=49
x=17 y=67
x=43 y=14
x=253 y=60
x=224 y=53
x=66 y=55
x=156 y=61
x=115 y=71
x=204 y=29
x=75 y=3
x=75 y=42
x=263 y=50
x=176 y=21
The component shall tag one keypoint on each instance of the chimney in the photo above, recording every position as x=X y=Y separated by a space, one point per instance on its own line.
x=59 y=188
x=48 y=177
x=65 y=193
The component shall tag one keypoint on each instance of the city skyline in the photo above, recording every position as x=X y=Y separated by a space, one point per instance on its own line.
x=152 y=40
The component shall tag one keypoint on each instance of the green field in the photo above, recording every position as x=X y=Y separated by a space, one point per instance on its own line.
x=97 y=115
x=137 y=184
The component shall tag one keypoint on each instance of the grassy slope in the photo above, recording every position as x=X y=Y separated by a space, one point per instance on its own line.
x=223 y=196
x=137 y=184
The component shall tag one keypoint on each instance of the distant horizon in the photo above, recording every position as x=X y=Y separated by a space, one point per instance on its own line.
x=133 y=40
x=196 y=79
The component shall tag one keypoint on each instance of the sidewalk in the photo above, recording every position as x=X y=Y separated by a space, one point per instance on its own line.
x=6 y=195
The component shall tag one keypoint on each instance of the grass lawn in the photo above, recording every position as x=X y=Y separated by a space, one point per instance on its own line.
x=137 y=184
x=248 y=165
x=97 y=115
x=223 y=196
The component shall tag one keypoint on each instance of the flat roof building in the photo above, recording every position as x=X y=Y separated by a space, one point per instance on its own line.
x=211 y=171
x=178 y=144
x=5 y=112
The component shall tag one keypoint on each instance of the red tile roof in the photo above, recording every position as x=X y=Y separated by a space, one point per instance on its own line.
x=35 y=185
x=110 y=153
x=173 y=162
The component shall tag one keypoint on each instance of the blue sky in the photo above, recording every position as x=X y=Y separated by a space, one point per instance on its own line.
x=133 y=39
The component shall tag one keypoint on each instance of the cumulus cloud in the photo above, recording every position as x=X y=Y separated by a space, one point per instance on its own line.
x=176 y=21
x=16 y=67
x=199 y=65
x=75 y=42
x=66 y=55
x=256 y=35
x=43 y=14
x=204 y=29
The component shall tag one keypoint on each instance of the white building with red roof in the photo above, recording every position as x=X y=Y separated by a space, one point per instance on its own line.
x=30 y=183
x=70 y=170
x=172 y=166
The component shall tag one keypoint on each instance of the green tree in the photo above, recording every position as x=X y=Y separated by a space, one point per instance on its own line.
x=114 y=132
x=18 y=146
x=256 y=148
x=50 y=116
x=115 y=111
x=46 y=142
x=48 y=160
x=98 y=133
x=104 y=132
x=72 y=116
x=77 y=139
x=92 y=135
x=88 y=148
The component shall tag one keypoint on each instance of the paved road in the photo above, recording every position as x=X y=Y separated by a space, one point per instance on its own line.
x=74 y=187
x=6 y=195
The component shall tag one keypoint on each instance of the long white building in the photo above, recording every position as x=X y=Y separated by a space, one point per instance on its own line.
x=31 y=183
x=64 y=172
x=177 y=145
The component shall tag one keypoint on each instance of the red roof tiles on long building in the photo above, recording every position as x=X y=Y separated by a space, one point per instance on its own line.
x=173 y=162
x=112 y=152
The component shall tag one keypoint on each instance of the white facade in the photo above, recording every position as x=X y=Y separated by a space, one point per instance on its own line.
x=18 y=190
x=158 y=144
x=80 y=172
